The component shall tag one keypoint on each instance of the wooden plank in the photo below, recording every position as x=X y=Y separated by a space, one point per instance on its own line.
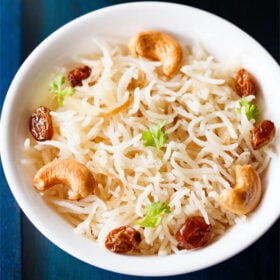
x=10 y=238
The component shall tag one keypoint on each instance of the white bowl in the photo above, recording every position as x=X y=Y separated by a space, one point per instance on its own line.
x=220 y=38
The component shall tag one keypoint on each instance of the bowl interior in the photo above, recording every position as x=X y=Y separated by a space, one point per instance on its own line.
x=187 y=24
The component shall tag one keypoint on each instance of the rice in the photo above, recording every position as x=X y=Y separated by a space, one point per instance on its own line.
x=101 y=126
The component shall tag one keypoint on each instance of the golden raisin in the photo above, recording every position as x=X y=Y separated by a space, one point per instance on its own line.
x=76 y=75
x=245 y=84
x=194 y=233
x=262 y=134
x=123 y=239
x=40 y=124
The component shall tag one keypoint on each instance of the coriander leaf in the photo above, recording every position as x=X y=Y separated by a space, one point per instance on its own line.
x=154 y=214
x=251 y=110
x=148 y=139
x=155 y=137
x=56 y=87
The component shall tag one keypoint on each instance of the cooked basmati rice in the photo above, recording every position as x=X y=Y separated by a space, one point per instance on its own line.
x=206 y=139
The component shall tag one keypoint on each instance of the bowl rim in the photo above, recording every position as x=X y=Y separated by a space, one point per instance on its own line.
x=6 y=111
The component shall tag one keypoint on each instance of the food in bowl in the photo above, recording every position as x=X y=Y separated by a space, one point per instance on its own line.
x=152 y=147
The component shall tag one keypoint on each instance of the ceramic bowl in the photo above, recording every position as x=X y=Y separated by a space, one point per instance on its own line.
x=121 y=21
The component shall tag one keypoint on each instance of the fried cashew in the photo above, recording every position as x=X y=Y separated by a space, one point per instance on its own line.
x=67 y=172
x=158 y=46
x=246 y=195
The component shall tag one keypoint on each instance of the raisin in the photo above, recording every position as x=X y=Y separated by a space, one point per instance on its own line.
x=40 y=124
x=76 y=75
x=245 y=84
x=194 y=233
x=123 y=239
x=262 y=134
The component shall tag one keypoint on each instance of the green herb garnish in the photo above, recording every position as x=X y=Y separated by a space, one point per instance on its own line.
x=251 y=110
x=154 y=214
x=56 y=87
x=155 y=137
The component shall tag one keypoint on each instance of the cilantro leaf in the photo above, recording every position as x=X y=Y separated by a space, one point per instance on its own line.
x=56 y=87
x=154 y=214
x=251 y=110
x=155 y=137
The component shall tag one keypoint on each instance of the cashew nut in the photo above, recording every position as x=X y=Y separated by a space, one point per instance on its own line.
x=67 y=172
x=158 y=46
x=246 y=194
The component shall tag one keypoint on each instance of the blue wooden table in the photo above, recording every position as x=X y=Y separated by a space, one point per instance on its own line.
x=25 y=253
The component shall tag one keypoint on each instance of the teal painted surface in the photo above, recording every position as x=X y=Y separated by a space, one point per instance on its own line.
x=10 y=225
x=25 y=252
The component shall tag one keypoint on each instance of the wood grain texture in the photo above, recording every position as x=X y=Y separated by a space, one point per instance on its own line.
x=10 y=226
x=35 y=20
